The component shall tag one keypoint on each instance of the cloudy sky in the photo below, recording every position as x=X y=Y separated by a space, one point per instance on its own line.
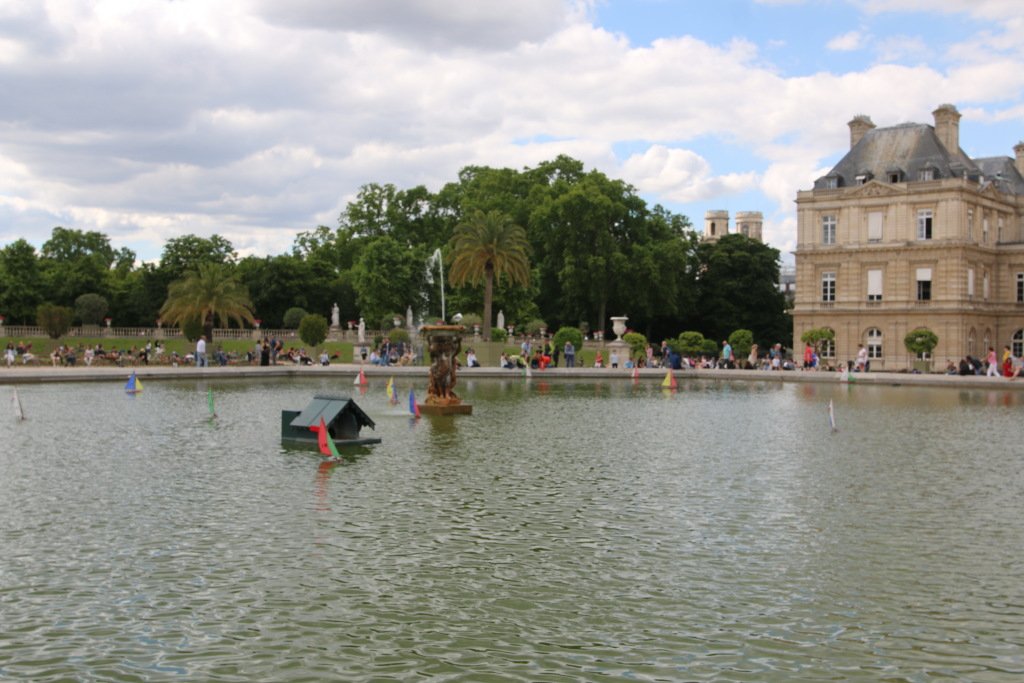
x=257 y=119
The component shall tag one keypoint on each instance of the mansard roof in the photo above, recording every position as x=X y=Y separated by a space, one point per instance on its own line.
x=907 y=148
x=1002 y=172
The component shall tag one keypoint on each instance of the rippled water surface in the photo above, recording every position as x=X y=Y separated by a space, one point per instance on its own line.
x=563 y=532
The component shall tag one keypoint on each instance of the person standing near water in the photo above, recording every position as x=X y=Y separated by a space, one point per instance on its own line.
x=201 y=351
x=993 y=364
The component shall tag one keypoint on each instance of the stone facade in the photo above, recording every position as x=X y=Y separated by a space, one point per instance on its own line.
x=748 y=223
x=907 y=231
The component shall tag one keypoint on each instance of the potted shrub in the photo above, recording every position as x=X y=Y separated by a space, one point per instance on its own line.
x=921 y=342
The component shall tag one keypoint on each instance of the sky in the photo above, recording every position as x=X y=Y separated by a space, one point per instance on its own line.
x=259 y=119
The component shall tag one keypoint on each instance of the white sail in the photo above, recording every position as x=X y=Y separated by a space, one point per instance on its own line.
x=19 y=413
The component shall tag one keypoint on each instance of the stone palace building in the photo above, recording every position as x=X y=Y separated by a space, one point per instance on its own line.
x=908 y=231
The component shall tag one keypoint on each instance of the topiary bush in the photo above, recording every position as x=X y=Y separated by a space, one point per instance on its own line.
x=565 y=334
x=293 y=317
x=498 y=334
x=90 y=308
x=312 y=329
x=689 y=343
x=637 y=343
x=56 y=320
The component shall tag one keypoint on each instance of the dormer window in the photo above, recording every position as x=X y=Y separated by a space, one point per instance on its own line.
x=894 y=175
x=863 y=177
x=831 y=183
x=926 y=174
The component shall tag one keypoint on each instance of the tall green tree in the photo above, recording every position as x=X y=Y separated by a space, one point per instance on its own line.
x=389 y=277
x=484 y=248
x=21 y=282
x=210 y=294
x=184 y=254
x=737 y=288
x=74 y=262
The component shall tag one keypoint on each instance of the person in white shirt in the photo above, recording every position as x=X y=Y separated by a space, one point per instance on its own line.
x=201 y=352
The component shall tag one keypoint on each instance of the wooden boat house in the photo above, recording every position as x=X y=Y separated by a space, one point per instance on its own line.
x=344 y=420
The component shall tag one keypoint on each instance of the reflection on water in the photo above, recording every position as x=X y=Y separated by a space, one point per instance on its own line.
x=565 y=531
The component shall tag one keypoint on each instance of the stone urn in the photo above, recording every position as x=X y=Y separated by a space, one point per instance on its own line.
x=619 y=325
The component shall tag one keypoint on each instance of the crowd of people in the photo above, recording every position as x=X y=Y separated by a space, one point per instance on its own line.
x=1005 y=365
x=70 y=355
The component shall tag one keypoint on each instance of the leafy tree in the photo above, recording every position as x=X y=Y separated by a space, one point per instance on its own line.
x=90 y=308
x=816 y=335
x=313 y=329
x=293 y=317
x=409 y=216
x=920 y=341
x=741 y=342
x=389 y=277
x=75 y=262
x=21 y=282
x=211 y=293
x=183 y=254
x=709 y=347
x=56 y=320
x=486 y=247
x=737 y=288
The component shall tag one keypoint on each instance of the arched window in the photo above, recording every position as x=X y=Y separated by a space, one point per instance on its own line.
x=874 y=344
x=972 y=343
x=828 y=347
x=1017 y=346
x=988 y=339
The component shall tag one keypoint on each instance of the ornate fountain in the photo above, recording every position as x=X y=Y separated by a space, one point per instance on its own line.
x=444 y=343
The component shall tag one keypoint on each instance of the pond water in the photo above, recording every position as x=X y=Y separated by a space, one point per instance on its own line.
x=566 y=531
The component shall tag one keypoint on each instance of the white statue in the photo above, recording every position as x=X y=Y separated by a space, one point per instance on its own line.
x=362 y=331
x=501 y=320
x=335 y=319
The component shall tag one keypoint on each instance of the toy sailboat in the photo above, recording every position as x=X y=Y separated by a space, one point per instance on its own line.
x=360 y=379
x=392 y=393
x=134 y=384
x=832 y=416
x=670 y=381
x=209 y=402
x=19 y=413
x=414 y=409
x=324 y=441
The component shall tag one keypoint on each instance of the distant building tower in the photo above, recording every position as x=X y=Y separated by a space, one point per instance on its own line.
x=716 y=224
x=749 y=224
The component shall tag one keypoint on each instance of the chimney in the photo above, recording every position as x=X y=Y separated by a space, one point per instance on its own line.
x=1019 y=151
x=860 y=125
x=947 y=127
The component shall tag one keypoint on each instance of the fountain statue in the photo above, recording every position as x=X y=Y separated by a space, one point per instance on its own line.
x=436 y=259
x=444 y=343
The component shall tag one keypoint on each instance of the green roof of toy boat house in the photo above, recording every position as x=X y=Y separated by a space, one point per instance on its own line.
x=340 y=413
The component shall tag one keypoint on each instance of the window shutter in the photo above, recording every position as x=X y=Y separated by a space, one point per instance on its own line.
x=875 y=226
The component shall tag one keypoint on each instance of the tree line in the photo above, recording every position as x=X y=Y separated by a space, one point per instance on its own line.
x=588 y=247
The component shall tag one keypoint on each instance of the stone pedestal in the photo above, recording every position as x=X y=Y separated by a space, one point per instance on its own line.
x=620 y=348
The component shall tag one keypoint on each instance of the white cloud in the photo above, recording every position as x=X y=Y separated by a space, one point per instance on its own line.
x=847 y=42
x=438 y=24
x=681 y=175
x=156 y=119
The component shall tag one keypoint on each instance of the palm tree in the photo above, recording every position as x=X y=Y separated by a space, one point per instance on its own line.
x=485 y=247
x=207 y=294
